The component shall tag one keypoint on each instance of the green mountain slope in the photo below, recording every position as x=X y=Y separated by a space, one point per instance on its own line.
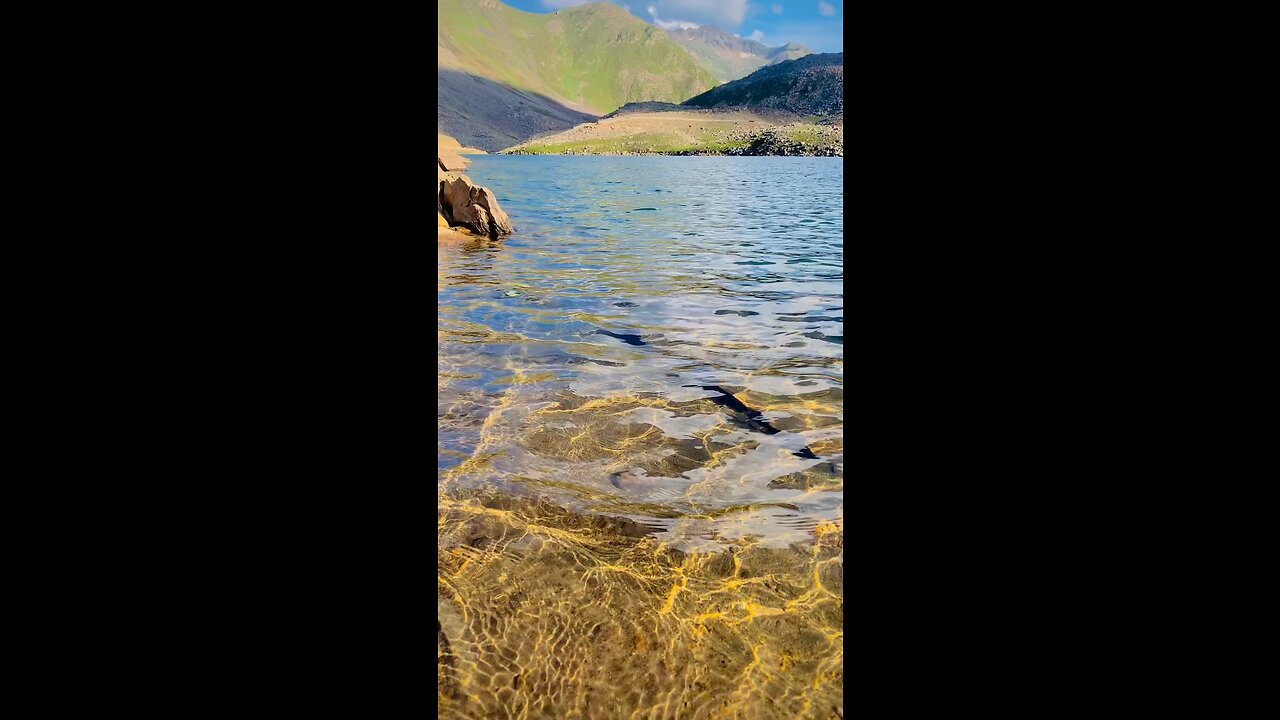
x=512 y=74
x=730 y=57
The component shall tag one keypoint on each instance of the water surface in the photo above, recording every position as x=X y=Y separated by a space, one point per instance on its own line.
x=640 y=451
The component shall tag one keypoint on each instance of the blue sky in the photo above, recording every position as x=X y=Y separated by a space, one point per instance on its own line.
x=818 y=24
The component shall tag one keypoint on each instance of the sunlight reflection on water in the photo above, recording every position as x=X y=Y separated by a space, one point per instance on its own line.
x=659 y=346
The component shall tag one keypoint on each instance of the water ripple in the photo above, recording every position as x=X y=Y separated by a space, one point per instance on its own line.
x=578 y=349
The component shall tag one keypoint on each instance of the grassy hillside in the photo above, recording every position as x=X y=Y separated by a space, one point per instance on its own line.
x=730 y=57
x=589 y=59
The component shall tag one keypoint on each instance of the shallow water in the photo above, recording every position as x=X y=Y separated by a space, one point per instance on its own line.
x=640 y=456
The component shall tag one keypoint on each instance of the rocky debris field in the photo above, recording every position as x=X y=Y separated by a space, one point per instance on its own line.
x=659 y=129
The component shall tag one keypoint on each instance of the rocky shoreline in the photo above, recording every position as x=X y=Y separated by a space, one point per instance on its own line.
x=776 y=141
x=654 y=129
x=464 y=209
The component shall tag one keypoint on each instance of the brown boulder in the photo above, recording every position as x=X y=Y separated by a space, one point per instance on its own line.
x=463 y=203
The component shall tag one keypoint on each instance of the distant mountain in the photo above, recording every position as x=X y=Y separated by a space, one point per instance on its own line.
x=790 y=51
x=730 y=57
x=507 y=75
x=811 y=85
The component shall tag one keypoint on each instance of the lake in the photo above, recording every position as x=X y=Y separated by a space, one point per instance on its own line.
x=640 y=441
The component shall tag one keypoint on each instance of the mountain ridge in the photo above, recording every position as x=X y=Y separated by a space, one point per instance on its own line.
x=811 y=85
x=730 y=57
x=793 y=108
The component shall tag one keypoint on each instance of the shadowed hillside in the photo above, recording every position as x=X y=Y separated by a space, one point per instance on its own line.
x=492 y=116
x=548 y=71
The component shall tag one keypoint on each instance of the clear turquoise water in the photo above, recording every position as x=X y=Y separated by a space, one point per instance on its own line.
x=640 y=453
x=709 y=272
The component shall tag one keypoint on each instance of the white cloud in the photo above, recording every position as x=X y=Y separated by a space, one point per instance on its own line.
x=727 y=14
x=670 y=24
x=557 y=4
x=826 y=8
x=776 y=9
x=755 y=35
